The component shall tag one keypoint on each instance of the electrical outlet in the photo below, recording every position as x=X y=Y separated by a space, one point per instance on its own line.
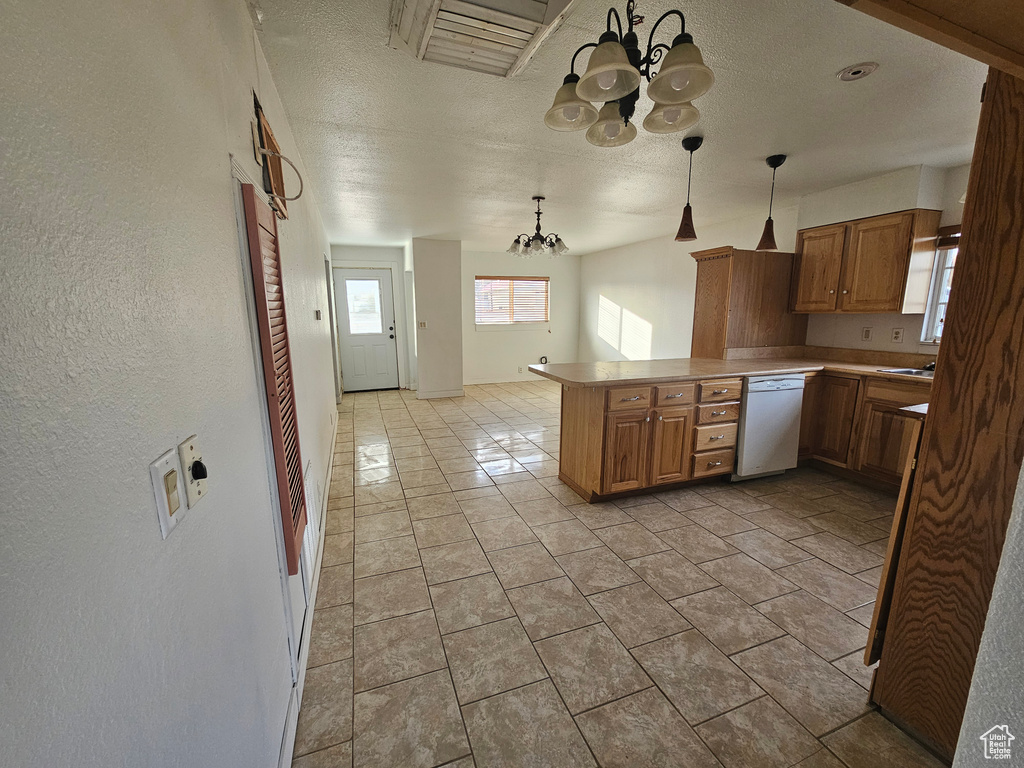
x=866 y=333
x=897 y=335
x=520 y=369
x=422 y=324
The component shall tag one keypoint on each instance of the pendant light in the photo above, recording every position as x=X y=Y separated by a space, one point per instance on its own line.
x=686 y=231
x=610 y=130
x=609 y=74
x=767 y=242
x=683 y=76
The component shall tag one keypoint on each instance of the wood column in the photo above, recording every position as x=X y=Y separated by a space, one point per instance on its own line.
x=972 y=448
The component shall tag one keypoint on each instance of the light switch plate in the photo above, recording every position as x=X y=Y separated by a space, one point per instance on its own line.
x=169 y=491
x=189 y=452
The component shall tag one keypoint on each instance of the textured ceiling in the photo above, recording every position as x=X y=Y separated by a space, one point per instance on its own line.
x=398 y=148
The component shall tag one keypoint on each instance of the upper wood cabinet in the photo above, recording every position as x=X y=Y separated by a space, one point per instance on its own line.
x=819 y=267
x=878 y=264
x=742 y=301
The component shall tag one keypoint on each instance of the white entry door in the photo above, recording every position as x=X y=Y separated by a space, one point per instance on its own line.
x=366 y=329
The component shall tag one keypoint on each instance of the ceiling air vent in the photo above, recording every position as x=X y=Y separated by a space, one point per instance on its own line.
x=497 y=37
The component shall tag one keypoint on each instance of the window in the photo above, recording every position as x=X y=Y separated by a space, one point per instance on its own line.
x=942 y=278
x=364 y=312
x=511 y=300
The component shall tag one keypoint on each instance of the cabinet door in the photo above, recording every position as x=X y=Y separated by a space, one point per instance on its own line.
x=670 y=454
x=626 y=447
x=885 y=440
x=819 y=264
x=835 y=405
x=875 y=269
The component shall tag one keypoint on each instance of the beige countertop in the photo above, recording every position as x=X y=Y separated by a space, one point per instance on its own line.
x=629 y=372
x=916 y=410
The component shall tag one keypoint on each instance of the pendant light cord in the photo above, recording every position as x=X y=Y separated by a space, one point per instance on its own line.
x=689 y=177
x=771 y=200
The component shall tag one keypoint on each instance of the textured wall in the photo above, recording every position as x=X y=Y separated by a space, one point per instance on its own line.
x=124 y=330
x=497 y=353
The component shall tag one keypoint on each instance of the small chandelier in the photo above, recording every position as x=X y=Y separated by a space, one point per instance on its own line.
x=529 y=246
x=614 y=74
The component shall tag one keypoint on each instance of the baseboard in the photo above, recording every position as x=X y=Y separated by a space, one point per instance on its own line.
x=423 y=394
x=295 y=697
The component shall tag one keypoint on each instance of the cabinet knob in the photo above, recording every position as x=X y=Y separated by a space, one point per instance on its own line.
x=661 y=418
x=832 y=291
x=845 y=291
x=648 y=418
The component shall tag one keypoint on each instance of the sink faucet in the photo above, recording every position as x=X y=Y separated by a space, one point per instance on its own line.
x=928 y=366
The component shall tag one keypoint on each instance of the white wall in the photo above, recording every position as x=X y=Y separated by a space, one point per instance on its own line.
x=636 y=302
x=124 y=330
x=437 y=277
x=395 y=257
x=496 y=353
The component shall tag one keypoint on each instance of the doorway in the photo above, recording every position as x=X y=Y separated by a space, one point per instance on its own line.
x=366 y=328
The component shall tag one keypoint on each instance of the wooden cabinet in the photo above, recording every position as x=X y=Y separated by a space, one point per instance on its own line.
x=884 y=434
x=742 y=301
x=835 y=403
x=626 y=451
x=671 y=441
x=877 y=264
x=819 y=267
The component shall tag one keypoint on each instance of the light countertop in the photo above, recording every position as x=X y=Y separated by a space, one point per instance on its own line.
x=631 y=372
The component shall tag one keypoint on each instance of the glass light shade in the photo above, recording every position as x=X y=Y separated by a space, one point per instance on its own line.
x=569 y=112
x=609 y=130
x=609 y=74
x=560 y=247
x=537 y=246
x=669 y=118
x=768 y=237
x=513 y=250
x=682 y=77
x=686 y=231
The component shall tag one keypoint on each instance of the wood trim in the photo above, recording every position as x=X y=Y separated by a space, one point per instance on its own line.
x=972 y=448
x=976 y=43
x=268 y=284
x=867 y=218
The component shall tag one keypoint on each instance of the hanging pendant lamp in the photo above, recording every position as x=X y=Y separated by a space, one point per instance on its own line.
x=767 y=242
x=686 y=231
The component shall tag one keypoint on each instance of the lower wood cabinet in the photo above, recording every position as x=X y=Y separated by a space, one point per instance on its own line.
x=834 y=406
x=671 y=445
x=626 y=453
x=884 y=435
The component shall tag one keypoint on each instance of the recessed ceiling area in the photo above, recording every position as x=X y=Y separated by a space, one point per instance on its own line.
x=397 y=148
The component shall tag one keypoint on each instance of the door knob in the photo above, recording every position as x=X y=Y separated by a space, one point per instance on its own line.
x=391 y=336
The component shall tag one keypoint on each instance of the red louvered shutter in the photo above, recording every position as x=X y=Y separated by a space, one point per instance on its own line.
x=265 y=255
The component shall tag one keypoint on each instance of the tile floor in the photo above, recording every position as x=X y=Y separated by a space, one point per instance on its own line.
x=473 y=611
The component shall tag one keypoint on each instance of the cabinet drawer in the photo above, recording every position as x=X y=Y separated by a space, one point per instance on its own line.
x=897 y=392
x=714 y=463
x=712 y=414
x=718 y=390
x=674 y=394
x=712 y=436
x=627 y=398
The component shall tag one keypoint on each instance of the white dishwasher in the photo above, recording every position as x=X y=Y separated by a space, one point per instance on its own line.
x=769 y=431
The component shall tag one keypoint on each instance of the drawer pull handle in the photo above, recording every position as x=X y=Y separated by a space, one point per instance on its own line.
x=714 y=464
x=629 y=399
x=718 y=413
x=720 y=391
x=677 y=394
x=717 y=437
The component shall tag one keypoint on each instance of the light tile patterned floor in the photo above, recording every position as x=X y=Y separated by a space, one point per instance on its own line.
x=472 y=611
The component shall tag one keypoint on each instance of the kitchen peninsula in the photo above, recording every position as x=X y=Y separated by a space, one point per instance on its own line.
x=630 y=426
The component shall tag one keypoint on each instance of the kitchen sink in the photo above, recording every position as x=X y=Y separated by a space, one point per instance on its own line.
x=909 y=372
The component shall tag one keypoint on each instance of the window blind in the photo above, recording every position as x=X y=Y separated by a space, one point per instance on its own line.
x=507 y=300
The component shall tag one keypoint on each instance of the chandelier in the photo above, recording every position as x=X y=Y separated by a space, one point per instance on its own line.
x=529 y=246
x=614 y=73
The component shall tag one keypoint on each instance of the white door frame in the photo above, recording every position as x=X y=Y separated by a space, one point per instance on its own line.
x=401 y=325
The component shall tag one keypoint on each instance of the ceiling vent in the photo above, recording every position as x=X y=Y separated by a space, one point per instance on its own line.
x=497 y=37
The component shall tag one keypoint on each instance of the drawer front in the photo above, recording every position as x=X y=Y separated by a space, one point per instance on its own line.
x=714 y=463
x=629 y=398
x=897 y=392
x=674 y=394
x=718 y=390
x=714 y=436
x=712 y=414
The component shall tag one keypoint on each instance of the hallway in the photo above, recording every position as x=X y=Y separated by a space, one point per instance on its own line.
x=471 y=607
